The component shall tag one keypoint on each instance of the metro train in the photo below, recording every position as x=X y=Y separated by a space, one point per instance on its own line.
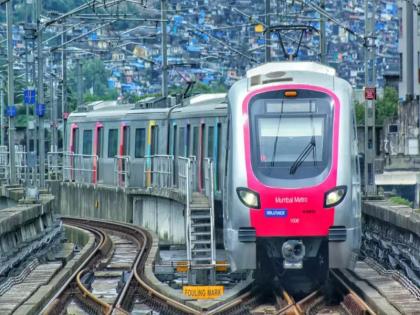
x=284 y=146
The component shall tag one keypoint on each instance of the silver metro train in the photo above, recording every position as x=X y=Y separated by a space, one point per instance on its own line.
x=284 y=146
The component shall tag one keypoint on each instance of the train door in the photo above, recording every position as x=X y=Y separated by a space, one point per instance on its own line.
x=73 y=149
x=86 y=159
x=218 y=157
x=97 y=150
x=194 y=153
x=138 y=176
x=123 y=152
x=174 y=152
x=152 y=149
x=211 y=150
x=201 y=144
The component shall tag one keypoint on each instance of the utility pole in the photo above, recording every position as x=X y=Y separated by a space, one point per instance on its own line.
x=164 y=50
x=30 y=33
x=370 y=82
x=41 y=103
x=267 y=32
x=2 y=111
x=323 y=39
x=79 y=83
x=63 y=86
x=54 y=138
x=10 y=92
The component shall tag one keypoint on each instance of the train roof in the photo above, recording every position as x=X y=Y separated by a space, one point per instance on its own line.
x=112 y=109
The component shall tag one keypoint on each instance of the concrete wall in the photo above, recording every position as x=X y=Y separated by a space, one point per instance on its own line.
x=159 y=211
x=89 y=201
x=163 y=216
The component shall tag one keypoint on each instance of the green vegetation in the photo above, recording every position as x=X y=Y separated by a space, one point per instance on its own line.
x=200 y=87
x=386 y=107
x=401 y=201
x=95 y=88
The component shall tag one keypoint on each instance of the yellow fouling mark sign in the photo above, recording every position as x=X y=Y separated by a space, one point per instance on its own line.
x=200 y=292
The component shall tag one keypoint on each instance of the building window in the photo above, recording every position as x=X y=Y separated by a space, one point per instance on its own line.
x=112 y=143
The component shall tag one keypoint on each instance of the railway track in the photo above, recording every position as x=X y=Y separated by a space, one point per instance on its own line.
x=110 y=235
x=344 y=301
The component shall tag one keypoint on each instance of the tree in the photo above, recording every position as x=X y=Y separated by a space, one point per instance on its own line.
x=95 y=77
x=385 y=108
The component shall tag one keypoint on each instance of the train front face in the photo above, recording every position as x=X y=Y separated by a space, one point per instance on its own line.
x=291 y=188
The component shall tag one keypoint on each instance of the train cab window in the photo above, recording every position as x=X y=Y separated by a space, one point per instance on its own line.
x=154 y=149
x=210 y=142
x=291 y=138
x=195 y=142
x=100 y=142
x=87 y=142
x=126 y=141
x=181 y=141
x=140 y=143
x=112 y=143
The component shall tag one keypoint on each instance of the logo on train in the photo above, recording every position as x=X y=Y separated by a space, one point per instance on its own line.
x=276 y=213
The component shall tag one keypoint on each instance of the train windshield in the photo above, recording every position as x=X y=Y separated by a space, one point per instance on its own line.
x=291 y=137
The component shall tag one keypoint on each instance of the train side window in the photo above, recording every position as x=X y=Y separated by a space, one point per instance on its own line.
x=87 y=142
x=203 y=141
x=195 y=142
x=174 y=143
x=140 y=143
x=126 y=140
x=112 y=142
x=100 y=143
x=181 y=141
x=210 y=142
x=76 y=140
x=219 y=156
x=154 y=141
x=187 y=151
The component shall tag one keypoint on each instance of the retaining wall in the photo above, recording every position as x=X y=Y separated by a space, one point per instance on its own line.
x=161 y=211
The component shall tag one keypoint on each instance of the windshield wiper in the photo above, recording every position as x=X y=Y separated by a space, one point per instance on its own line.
x=309 y=147
x=273 y=158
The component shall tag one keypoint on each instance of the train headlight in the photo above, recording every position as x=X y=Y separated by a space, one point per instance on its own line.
x=249 y=198
x=334 y=196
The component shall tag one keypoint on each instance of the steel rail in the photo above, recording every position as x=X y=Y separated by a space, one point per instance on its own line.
x=105 y=307
x=136 y=278
x=48 y=309
x=352 y=294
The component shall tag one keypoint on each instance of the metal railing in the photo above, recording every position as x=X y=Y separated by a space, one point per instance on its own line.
x=159 y=171
x=79 y=167
x=55 y=165
x=122 y=170
x=208 y=173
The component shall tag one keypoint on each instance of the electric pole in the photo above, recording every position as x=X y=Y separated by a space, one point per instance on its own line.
x=54 y=138
x=370 y=82
x=79 y=83
x=323 y=39
x=267 y=32
x=41 y=104
x=164 y=50
x=10 y=92
x=63 y=86
x=2 y=111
